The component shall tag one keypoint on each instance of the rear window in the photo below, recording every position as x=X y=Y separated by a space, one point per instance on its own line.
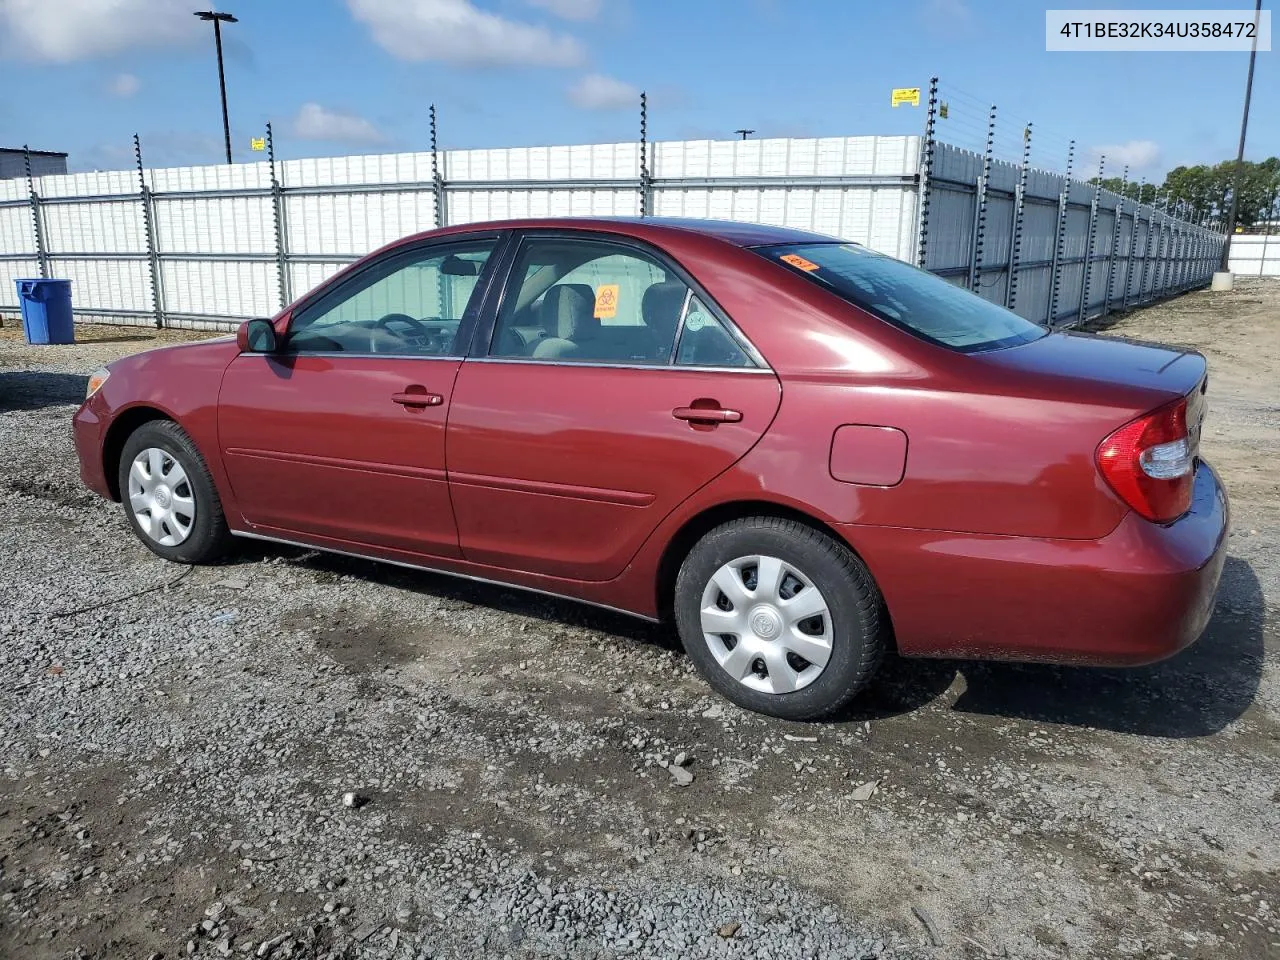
x=905 y=296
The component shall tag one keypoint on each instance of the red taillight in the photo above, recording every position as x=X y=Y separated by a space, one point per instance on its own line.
x=1150 y=463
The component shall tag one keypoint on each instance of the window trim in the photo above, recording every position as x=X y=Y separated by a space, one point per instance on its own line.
x=336 y=287
x=501 y=288
x=611 y=364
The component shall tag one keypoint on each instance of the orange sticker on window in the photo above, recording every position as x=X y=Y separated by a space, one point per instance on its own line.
x=798 y=261
x=606 y=301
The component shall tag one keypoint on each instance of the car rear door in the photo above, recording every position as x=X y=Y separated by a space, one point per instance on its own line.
x=340 y=434
x=578 y=423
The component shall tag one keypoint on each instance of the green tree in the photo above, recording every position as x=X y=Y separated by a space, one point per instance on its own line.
x=1206 y=190
x=1203 y=192
x=1133 y=189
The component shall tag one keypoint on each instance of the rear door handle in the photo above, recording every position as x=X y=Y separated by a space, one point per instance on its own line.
x=417 y=399
x=707 y=414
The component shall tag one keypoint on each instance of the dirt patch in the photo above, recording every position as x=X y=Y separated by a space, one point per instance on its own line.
x=510 y=757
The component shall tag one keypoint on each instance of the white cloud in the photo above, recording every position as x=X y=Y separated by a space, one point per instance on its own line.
x=946 y=15
x=569 y=9
x=1138 y=154
x=455 y=31
x=315 y=122
x=595 y=91
x=124 y=85
x=62 y=31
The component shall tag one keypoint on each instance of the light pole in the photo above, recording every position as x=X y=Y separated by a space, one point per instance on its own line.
x=1244 y=126
x=744 y=133
x=218 y=18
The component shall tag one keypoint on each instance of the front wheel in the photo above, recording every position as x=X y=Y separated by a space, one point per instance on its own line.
x=169 y=497
x=780 y=618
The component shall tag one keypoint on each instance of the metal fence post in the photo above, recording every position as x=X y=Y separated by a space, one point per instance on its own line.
x=278 y=218
x=980 y=212
x=438 y=186
x=1266 y=237
x=37 y=217
x=1158 y=280
x=646 y=177
x=1188 y=249
x=1133 y=244
x=1146 y=253
x=1116 y=219
x=1055 y=268
x=1157 y=226
x=1082 y=313
x=1183 y=244
x=1015 y=239
x=1184 y=258
x=149 y=228
x=1175 y=250
x=926 y=174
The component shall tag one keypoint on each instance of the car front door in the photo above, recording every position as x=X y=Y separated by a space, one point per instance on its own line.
x=609 y=391
x=339 y=434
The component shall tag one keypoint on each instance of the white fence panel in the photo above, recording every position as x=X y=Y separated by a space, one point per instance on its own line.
x=225 y=242
x=230 y=291
x=1255 y=255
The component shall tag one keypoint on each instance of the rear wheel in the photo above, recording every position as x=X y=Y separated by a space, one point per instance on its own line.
x=780 y=618
x=169 y=497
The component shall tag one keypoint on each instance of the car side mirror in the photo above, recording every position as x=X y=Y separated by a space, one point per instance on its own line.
x=256 y=336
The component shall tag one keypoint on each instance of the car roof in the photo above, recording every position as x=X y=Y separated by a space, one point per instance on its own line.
x=731 y=231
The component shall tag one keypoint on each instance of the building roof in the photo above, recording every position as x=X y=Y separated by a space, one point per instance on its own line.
x=34 y=153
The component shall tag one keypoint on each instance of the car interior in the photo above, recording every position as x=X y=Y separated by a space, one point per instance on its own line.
x=413 y=310
x=556 y=314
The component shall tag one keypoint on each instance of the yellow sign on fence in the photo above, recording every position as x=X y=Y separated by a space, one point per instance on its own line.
x=903 y=95
x=257 y=143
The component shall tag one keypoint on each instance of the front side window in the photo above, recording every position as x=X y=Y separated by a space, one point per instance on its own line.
x=410 y=305
x=905 y=296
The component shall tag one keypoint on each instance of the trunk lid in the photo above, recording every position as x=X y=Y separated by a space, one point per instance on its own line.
x=1127 y=373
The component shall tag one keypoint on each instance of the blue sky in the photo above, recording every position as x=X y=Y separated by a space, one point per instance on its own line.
x=356 y=76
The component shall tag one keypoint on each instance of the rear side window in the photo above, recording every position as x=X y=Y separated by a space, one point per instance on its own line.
x=905 y=296
x=587 y=301
x=595 y=301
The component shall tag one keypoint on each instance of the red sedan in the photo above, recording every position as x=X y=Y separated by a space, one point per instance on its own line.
x=800 y=452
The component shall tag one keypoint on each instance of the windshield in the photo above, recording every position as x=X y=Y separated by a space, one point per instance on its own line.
x=907 y=297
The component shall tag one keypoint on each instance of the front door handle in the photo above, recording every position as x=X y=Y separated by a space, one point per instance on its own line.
x=707 y=414
x=413 y=399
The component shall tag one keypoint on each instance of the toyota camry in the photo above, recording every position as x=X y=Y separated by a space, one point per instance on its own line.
x=798 y=452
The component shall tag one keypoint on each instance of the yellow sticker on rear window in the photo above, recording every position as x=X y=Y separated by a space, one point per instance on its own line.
x=607 y=301
x=798 y=261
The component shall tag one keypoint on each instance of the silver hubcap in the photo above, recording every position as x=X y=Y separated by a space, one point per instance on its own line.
x=161 y=497
x=766 y=624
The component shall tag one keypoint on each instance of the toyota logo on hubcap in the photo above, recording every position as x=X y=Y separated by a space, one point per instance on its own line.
x=765 y=624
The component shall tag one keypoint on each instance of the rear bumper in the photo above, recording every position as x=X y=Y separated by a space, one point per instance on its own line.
x=1138 y=595
x=88 y=427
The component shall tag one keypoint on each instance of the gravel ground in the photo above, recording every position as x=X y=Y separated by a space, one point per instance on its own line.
x=295 y=755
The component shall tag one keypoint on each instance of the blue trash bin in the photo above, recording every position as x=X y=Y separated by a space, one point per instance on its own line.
x=46 y=311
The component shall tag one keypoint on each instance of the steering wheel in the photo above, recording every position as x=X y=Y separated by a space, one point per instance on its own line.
x=386 y=321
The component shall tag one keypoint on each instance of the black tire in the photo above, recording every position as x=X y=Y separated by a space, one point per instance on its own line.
x=859 y=629
x=209 y=539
